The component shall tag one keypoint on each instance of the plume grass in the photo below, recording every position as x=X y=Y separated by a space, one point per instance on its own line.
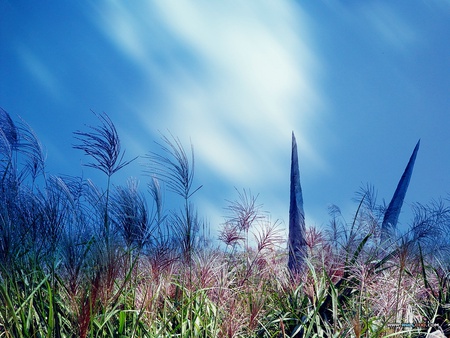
x=77 y=260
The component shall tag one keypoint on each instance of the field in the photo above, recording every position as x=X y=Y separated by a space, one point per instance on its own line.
x=80 y=261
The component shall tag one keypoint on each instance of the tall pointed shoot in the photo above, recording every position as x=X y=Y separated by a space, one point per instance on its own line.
x=297 y=228
x=393 y=211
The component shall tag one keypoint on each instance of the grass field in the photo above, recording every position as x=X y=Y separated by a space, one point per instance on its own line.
x=80 y=261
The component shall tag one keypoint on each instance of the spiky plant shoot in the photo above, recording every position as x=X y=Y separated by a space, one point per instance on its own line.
x=297 y=228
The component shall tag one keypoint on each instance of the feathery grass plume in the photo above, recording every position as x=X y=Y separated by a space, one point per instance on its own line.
x=8 y=127
x=31 y=147
x=78 y=237
x=393 y=211
x=268 y=240
x=429 y=229
x=365 y=221
x=370 y=212
x=103 y=145
x=8 y=135
x=244 y=212
x=185 y=225
x=9 y=186
x=174 y=167
x=176 y=170
x=297 y=227
x=231 y=235
x=130 y=214
x=9 y=139
x=161 y=251
x=155 y=192
x=55 y=211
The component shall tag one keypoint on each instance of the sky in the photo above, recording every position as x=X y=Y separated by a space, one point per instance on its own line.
x=358 y=82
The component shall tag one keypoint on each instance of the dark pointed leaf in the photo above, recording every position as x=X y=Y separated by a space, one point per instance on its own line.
x=297 y=228
x=393 y=211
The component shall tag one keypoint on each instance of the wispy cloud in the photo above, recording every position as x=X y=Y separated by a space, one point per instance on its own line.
x=40 y=72
x=390 y=25
x=235 y=77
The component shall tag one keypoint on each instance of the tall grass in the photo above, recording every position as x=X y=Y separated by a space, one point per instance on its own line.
x=80 y=261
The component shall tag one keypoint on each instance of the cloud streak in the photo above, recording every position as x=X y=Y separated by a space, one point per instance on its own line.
x=235 y=78
x=40 y=72
x=390 y=25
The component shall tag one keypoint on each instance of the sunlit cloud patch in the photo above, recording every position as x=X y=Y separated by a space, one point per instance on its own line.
x=234 y=78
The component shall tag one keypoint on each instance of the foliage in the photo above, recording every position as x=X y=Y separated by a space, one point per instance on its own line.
x=77 y=260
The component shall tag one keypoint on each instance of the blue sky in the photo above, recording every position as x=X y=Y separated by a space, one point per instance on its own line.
x=359 y=82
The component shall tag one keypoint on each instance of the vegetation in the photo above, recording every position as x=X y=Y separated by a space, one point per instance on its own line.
x=392 y=213
x=297 y=226
x=77 y=260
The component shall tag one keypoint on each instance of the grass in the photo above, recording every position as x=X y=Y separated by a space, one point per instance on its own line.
x=78 y=260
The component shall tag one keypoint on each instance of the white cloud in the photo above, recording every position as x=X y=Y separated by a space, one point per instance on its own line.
x=257 y=84
x=236 y=78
